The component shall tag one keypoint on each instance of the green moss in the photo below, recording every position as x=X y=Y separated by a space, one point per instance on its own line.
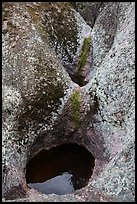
x=84 y=53
x=83 y=59
x=75 y=107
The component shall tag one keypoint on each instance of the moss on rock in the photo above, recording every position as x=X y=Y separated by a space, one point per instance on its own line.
x=75 y=107
x=83 y=60
x=84 y=53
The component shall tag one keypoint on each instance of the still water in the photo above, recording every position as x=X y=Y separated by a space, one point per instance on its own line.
x=60 y=170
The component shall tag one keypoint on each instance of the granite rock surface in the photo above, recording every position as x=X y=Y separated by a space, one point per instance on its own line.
x=37 y=94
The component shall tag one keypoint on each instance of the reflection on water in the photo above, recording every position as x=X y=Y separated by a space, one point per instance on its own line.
x=58 y=185
x=60 y=170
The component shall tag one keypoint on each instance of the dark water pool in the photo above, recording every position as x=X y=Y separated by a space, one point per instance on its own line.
x=60 y=170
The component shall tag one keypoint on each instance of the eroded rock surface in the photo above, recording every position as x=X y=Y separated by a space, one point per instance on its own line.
x=35 y=87
x=43 y=107
x=114 y=85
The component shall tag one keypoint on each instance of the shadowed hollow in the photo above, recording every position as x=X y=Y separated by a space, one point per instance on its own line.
x=60 y=170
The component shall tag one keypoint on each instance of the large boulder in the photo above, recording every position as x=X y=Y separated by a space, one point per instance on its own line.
x=43 y=107
x=35 y=87
x=113 y=83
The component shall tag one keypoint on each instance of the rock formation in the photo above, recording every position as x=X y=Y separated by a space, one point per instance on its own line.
x=57 y=88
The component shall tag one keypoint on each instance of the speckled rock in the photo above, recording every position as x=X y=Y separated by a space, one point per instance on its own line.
x=60 y=25
x=113 y=82
x=35 y=87
x=107 y=104
x=89 y=10
x=53 y=22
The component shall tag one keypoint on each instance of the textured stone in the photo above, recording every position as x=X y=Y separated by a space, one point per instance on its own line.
x=114 y=85
x=33 y=72
x=88 y=10
x=35 y=87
